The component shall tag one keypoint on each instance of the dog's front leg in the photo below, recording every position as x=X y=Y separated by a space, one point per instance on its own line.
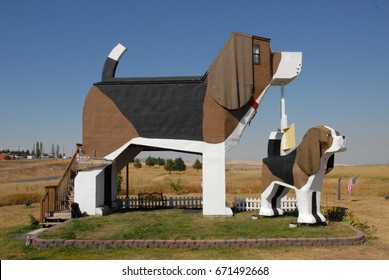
x=214 y=181
x=308 y=203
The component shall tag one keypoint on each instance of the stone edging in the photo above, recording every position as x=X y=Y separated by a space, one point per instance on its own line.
x=36 y=242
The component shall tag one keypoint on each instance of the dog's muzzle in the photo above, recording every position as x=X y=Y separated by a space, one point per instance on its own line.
x=339 y=144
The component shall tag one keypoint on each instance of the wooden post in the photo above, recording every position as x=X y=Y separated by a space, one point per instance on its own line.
x=48 y=202
x=339 y=180
x=55 y=198
x=127 y=186
x=42 y=214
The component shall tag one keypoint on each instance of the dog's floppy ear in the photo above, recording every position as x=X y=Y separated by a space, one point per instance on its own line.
x=330 y=164
x=309 y=153
x=230 y=77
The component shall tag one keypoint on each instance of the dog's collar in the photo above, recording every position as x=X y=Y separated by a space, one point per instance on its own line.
x=254 y=104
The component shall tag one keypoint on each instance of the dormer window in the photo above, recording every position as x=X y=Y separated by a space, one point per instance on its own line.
x=256 y=54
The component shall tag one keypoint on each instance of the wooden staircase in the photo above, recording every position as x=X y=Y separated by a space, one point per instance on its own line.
x=57 y=200
x=62 y=212
x=55 y=218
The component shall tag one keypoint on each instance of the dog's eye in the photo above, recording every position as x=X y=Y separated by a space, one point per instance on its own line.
x=329 y=135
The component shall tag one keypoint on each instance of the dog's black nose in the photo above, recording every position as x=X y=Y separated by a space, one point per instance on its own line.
x=344 y=137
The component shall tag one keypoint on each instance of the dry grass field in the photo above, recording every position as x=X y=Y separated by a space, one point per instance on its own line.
x=241 y=178
x=367 y=202
x=22 y=180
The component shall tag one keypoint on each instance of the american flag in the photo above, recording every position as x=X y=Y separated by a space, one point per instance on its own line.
x=351 y=184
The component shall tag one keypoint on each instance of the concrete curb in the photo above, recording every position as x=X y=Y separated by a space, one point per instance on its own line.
x=358 y=239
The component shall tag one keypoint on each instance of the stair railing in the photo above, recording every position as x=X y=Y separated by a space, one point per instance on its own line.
x=57 y=197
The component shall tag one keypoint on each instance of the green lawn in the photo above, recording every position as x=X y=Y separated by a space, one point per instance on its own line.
x=178 y=224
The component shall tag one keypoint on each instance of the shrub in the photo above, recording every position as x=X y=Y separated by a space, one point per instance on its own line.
x=34 y=223
x=119 y=181
x=151 y=161
x=338 y=214
x=351 y=219
x=160 y=161
x=169 y=166
x=28 y=202
x=137 y=163
x=335 y=214
x=177 y=187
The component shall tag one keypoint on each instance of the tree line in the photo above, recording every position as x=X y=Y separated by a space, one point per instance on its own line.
x=169 y=165
x=37 y=151
x=22 y=153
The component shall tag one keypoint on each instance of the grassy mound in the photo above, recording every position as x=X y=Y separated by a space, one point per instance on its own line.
x=179 y=224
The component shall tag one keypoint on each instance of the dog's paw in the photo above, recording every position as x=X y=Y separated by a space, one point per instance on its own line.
x=311 y=219
x=269 y=212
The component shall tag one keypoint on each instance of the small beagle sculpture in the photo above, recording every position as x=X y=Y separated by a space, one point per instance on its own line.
x=303 y=170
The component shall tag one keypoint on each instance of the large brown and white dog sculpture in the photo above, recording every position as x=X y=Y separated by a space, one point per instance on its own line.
x=203 y=115
x=303 y=170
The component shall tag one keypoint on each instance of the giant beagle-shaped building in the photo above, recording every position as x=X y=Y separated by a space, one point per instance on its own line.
x=203 y=115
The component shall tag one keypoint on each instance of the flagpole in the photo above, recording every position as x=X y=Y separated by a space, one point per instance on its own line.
x=284 y=117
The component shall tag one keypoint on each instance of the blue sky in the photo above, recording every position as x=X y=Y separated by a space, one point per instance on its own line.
x=52 y=51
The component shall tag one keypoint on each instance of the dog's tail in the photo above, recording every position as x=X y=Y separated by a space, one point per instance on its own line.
x=112 y=61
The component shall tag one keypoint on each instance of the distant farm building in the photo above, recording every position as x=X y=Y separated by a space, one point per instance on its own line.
x=6 y=157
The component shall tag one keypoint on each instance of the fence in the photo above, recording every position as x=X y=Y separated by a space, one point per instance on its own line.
x=132 y=202
x=240 y=204
x=254 y=204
